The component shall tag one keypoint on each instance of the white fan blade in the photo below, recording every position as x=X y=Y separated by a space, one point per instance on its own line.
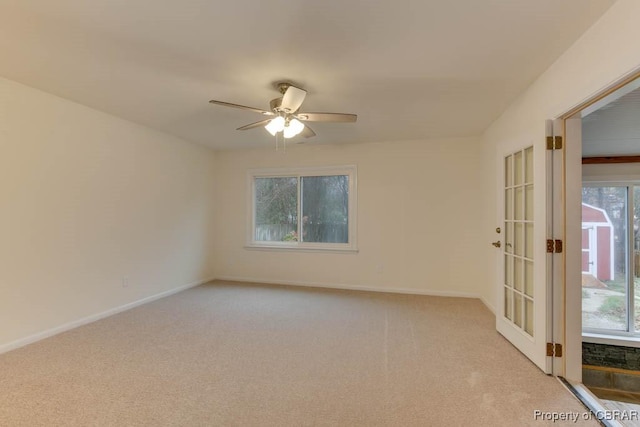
x=241 y=107
x=307 y=132
x=255 y=125
x=292 y=99
x=327 y=117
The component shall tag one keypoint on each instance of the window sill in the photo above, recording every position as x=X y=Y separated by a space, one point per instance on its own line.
x=620 y=340
x=283 y=248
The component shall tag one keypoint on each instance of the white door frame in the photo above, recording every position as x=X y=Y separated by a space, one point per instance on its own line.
x=573 y=258
x=572 y=206
x=592 y=249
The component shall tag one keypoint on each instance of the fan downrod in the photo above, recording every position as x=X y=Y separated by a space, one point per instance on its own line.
x=283 y=86
x=277 y=102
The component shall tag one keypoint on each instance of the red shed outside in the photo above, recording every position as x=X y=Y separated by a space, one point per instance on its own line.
x=597 y=243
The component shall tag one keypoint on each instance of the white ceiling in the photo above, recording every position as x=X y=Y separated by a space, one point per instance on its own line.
x=409 y=69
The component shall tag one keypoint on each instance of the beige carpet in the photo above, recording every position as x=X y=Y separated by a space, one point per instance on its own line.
x=247 y=355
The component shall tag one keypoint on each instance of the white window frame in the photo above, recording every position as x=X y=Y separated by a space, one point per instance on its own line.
x=348 y=170
x=628 y=338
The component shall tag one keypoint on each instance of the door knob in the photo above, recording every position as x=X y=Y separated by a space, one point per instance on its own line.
x=497 y=244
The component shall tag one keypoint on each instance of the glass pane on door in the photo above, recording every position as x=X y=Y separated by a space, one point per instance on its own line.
x=528 y=314
x=519 y=245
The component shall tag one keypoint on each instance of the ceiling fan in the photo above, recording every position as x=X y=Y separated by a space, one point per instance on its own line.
x=284 y=116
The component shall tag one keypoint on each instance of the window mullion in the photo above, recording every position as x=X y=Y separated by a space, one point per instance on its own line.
x=300 y=236
x=253 y=209
x=630 y=261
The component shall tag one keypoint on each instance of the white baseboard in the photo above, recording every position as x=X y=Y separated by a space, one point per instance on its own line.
x=410 y=291
x=92 y=318
x=489 y=306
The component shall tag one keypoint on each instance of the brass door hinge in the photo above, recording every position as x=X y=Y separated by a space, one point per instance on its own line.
x=554 y=349
x=554 y=246
x=554 y=142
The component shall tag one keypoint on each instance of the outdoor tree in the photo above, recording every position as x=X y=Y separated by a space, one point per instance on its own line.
x=325 y=208
x=276 y=206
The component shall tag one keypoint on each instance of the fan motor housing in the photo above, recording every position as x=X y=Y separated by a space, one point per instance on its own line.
x=275 y=104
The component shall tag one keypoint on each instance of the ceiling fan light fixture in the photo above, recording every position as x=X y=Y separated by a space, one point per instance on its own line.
x=293 y=129
x=285 y=117
x=276 y=125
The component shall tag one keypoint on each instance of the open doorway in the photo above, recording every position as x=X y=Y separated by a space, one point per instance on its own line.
x=606 y=247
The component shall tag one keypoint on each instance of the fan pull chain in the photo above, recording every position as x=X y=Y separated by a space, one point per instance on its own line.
x=280 y=136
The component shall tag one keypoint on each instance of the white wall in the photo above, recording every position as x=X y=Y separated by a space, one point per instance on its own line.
x=87 y=199
x=417 y=218
x=611 y=172
x=600 y=57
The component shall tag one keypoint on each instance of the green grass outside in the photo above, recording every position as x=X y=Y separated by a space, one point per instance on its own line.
x=614 y=307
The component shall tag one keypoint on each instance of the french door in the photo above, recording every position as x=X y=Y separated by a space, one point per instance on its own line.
x=523 y=308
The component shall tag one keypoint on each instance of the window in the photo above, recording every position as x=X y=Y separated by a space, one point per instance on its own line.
x=611 y=259
x=311 y=208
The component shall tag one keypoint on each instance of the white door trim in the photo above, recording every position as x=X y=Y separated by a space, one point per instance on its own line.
x=573 y=258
